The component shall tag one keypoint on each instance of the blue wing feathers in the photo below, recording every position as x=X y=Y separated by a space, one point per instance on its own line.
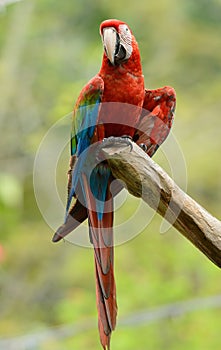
x=84 y=122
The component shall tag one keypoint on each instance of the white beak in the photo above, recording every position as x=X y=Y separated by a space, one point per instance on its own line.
x=110 y=42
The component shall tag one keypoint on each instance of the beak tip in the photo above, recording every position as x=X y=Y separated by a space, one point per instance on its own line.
x=110 y=42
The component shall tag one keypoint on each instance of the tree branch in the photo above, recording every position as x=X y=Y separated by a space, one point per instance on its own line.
x=147 y=180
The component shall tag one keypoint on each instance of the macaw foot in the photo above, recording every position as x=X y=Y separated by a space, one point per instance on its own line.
x=113 y=141
x=143 y=147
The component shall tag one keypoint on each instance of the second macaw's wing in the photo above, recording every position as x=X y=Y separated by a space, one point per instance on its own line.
x=156 y=118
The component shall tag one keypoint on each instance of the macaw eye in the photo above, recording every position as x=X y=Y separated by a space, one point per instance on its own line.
x=125 y=32
x=126 y=39
x=124 y=28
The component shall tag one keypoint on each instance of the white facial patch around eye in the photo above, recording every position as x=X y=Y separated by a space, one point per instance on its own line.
x=126 y=39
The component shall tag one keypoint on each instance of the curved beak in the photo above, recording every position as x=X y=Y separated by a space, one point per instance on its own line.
x=110 y=41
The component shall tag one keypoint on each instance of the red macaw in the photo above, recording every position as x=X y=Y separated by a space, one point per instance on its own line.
x=102 y=111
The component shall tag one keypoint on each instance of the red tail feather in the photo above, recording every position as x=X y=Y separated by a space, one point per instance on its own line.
x=101 y=234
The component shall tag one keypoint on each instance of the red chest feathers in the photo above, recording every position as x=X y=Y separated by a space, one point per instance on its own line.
x=121 y=102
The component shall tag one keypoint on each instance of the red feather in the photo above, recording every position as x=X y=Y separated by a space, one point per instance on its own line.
x=101 y=234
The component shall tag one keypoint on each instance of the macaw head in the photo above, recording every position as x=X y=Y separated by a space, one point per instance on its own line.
x=117 y=40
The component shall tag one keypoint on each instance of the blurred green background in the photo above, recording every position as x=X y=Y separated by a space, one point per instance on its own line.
x=48 y=51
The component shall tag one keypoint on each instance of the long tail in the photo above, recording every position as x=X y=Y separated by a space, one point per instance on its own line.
x=101 y=235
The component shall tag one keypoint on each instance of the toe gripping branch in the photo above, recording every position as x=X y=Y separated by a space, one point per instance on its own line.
x=114 y=142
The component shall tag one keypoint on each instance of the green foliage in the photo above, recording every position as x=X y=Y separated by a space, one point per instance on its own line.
x=49 y=50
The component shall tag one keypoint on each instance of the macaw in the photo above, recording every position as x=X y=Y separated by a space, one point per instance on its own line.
x=113 y=103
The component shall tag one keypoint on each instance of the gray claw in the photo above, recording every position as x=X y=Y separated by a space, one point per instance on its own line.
x=110 y=141
x=143 y=146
